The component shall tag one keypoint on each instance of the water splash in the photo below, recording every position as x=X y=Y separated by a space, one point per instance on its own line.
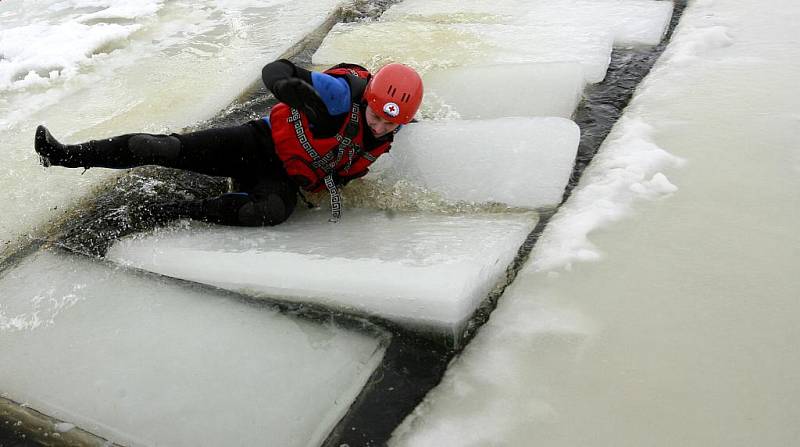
x=402 y=196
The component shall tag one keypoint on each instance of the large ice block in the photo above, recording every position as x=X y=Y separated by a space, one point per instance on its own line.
x=517 y=161
x=426 y=45
x=427 y=271
x=631 y=22
x=141 y=360
x=495 y=91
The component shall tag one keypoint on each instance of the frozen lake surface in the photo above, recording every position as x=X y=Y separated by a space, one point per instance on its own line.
x=655 y=309
x=91 y=69
x=141 y=361
x=682 y=330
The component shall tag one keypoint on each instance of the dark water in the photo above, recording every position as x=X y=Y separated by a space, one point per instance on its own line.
x=414 y=363
x=10 y=437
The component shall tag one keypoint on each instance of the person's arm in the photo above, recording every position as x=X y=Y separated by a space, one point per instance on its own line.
x=292 y=85
x=319 y=95
x=283 y=69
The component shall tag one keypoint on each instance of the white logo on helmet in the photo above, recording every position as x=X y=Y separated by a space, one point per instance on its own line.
x=391 y=109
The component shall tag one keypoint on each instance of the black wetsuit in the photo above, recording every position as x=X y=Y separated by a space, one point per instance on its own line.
x=246 y=153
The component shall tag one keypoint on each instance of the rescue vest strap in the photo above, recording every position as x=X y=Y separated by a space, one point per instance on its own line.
x=326 y=164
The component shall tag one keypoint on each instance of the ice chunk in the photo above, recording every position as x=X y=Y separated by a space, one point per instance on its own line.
x=503 y=90
x=522 y=162
x=427 y=271
x=631 y=21
x=63 y=427
x=427 y=45
x=143 y=361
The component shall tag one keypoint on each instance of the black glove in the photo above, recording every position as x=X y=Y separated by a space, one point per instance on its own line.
x=299 y=94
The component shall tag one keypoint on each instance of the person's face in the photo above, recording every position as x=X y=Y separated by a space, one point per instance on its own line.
x=378 y=125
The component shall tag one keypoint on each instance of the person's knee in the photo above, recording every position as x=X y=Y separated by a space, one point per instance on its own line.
x=272 y=210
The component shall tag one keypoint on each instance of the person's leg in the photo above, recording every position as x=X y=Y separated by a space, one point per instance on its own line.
x=266 y=200
x=267 y=196
x=227 y=152
x=244 y=152
x=270 y=206
x=124 y=151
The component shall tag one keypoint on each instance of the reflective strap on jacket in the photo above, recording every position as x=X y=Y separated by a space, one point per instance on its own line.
x=329 y=162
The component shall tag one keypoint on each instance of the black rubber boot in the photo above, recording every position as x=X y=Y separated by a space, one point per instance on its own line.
x=53 y=153
x=121 y=152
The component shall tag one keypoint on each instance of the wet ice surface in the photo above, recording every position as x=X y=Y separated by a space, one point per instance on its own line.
x=146 y=362
x=631 y=22
x=426 y=271
x=682 y=330
x=503 y=90
x=521 y=162
x=93 y=69
x=426 y=45
x=406 y=266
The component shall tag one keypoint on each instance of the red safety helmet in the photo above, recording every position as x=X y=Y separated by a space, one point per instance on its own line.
x=395 y=93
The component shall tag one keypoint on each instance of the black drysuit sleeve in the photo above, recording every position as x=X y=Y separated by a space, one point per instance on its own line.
x=292 y=85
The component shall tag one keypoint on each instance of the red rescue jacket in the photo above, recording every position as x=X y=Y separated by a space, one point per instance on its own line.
x=309 y=160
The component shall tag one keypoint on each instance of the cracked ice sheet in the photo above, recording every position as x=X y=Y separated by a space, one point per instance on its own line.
x=632 y=22
x=143 y=361
x=427 y=46
x=426 y=271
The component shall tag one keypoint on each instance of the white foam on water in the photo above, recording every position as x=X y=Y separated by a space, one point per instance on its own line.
x=92 y=69
x=503 y=90
x=43 y=42
x=631 y=22
x=517 y=161
x=426 y=271
x=146 y=362
x=626 y=168
x=59 y=53
x=426 y=45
